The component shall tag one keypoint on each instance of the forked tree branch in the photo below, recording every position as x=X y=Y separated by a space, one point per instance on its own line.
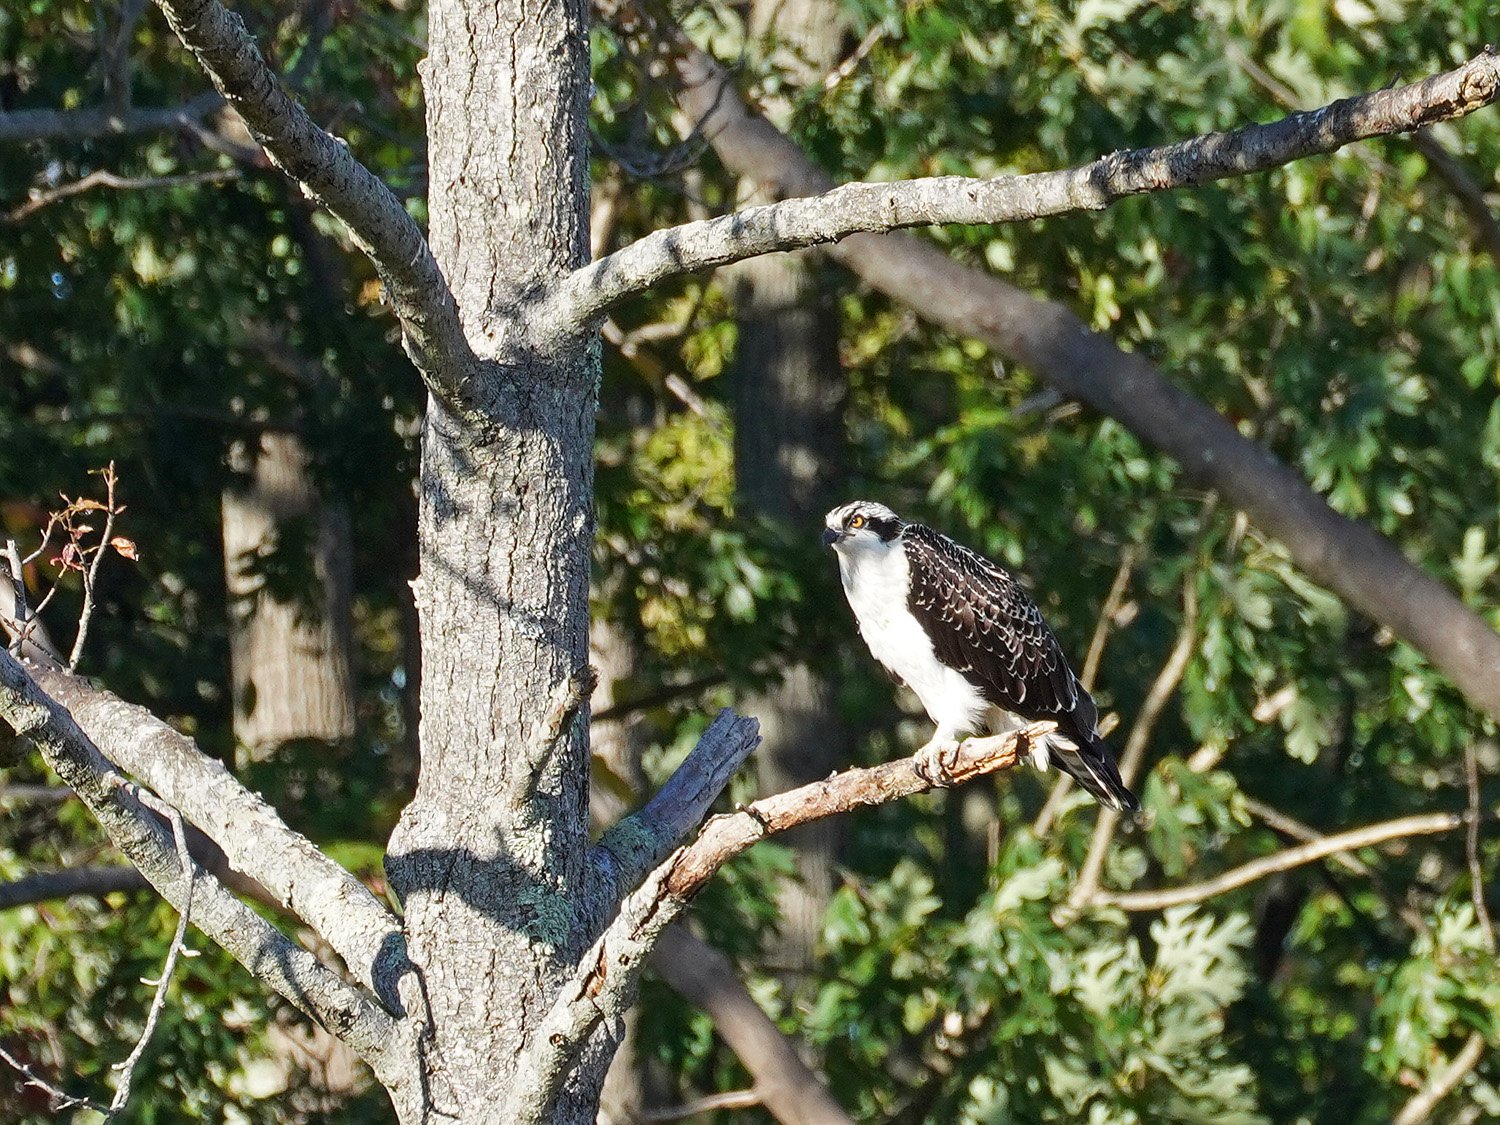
x=1423 y=824
x=347 y=1010
x=637 y=843
x=329 y=173
x=254 y=838
x=1348 y=557
x=605 y=982
x=854 y=208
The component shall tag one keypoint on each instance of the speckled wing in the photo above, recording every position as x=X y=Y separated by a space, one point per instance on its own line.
x=984 y=625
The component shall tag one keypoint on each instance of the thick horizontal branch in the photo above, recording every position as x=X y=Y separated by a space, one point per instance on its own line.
x=1046 y=337
x=836 y=213
x=329 y=174
x=348 y=1011
x=255 y=840
x=605 y=982
x=88 y=124
x=642 y=840
x=1424 y=824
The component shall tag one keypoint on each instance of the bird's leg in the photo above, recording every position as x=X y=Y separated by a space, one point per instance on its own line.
x=935 y=762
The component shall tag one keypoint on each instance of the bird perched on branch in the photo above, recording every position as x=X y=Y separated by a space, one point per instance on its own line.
x=965 y=636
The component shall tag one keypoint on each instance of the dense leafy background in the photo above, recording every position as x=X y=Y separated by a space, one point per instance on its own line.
x=1342 y=311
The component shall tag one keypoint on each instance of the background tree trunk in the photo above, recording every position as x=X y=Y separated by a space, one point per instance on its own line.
x=289 y=655
x=789 y=452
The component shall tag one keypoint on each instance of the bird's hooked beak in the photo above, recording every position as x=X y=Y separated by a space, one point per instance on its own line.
x=830 y=537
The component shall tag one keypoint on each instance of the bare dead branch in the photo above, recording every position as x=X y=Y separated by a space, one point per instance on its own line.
x=876 y=208
x=1423 y=824
x=349 y=1011
x=605 y=982
x=100 y=178
x=255 y=840
x=91 y=574
x=787 y=1087
x=642 y=840
x=729 y=1099
x=59 y=1098
x=1443 y=1083
x=1347 y=556
x=177 y=949
x=329 y=173
x=103 y=121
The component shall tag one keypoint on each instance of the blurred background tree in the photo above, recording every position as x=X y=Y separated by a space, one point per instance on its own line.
x=167 y=302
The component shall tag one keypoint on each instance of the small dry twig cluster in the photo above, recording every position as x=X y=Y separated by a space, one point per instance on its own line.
x=81 y=547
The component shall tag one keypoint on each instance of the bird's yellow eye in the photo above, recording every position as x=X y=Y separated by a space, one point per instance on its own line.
x=856 y=522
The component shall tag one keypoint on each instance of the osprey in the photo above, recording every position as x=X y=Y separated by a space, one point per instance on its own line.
x=968 y=640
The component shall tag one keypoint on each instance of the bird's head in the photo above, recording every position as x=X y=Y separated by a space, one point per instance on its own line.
x=862 y=525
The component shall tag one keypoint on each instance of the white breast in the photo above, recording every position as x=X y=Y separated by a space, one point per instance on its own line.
x=876 y=583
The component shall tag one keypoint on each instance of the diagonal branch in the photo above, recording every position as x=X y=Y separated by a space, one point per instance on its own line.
x=787 y=1087
x=255 y=840
x=1423 y=824
x=642 y=840
x=329 y=173
x=605 y=982
x=1347 y=556
x=853 y=208
x=1443 y=1083
x=347 y=1010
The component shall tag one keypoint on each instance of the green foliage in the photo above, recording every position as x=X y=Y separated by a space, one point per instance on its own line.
x=1341 y=312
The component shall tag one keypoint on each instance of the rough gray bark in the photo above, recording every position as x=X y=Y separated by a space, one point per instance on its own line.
x=489 y=858
x=290 y=659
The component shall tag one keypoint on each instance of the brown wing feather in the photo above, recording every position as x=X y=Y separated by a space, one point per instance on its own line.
x=984 y=624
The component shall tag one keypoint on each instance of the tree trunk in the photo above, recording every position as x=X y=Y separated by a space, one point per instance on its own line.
x=789 y=445
x=289 y=656
x=489 y=857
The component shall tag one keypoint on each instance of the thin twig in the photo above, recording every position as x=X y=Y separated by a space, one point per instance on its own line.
x=178 y=949
x=91 y=575
x=103 y=179
x=729 y=1099
x=1424 y=824
x=1278 y=821
x=1135 y=746
x=1420 y=1108
x=846 y=68
x=60 y=1099
x=1476 y=870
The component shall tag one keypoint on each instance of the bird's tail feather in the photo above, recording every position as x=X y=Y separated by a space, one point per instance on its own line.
x=1093 y=766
